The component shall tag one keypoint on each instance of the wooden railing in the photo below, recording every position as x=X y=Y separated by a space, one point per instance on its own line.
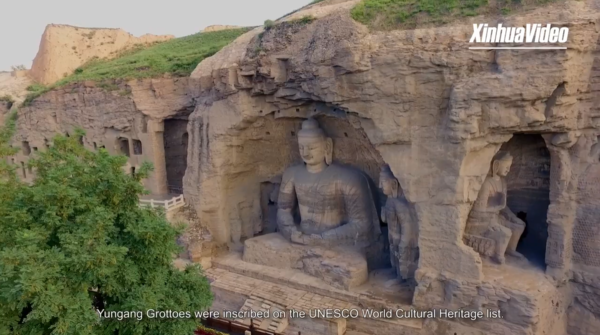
x=170 y=204
x=234 y=327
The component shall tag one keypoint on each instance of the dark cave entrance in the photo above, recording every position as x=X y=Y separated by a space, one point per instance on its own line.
x=528 y=184
x=176 y=145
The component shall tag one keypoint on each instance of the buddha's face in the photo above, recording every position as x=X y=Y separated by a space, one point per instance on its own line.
x=312 y=149
x=504 y=167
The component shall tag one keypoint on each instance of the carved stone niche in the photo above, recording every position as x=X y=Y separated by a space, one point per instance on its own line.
x=509 y=216
x=269 y=192
x=343 y=258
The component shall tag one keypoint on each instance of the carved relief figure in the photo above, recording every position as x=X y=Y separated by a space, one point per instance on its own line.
x=492 y=228
x=402 y=228
x=245 y=222
x=334 y=202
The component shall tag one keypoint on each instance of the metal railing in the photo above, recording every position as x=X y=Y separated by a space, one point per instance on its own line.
x=170 y=204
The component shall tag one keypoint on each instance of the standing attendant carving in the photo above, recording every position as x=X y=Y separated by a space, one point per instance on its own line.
x=402 y=228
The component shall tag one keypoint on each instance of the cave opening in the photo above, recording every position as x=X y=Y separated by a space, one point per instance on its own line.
x=26 y=149
x=176 y=147
x=528 y=193
x=137 y=147
x=124 y=146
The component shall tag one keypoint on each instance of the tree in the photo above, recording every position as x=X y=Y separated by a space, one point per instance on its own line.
x=75 y=241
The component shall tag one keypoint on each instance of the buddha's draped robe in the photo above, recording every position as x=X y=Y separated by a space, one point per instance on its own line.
x=336 y=203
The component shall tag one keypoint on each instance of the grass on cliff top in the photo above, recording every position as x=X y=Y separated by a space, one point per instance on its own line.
x=407 y=14
x=178 y=57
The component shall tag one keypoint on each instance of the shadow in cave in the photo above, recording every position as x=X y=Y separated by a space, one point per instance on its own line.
x=528 y=186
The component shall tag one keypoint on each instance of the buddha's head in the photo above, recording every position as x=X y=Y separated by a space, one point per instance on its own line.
x=315 y=146
x=502 y=163
x=388 y=183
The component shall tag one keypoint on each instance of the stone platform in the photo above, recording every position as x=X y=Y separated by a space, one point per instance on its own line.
x=236 y=292
x=341 y=267
x=529 y=302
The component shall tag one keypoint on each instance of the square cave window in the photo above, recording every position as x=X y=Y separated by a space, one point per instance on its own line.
x=26 y=148
x=137 y=147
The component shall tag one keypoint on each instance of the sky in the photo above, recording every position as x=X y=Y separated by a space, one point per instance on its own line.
x=22 y=22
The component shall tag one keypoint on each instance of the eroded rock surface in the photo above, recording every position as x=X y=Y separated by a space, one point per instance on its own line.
x=418 y=101
x=432 y=109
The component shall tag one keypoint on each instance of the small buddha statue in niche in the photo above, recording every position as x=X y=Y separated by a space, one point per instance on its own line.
x=491 y=219
x=402 y=226
x=335 y=203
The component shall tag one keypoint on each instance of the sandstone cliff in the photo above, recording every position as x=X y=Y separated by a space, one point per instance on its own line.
x=434 y=110
x=65 y=48
x=418 y=100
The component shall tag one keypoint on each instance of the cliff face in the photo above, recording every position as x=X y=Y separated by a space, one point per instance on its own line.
x=418 y=100
x=65 y=48
x=124 y=117
x=432 y=109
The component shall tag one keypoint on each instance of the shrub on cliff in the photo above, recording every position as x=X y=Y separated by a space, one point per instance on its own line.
x=392 y=14
x=76 y=241
x=178 y=57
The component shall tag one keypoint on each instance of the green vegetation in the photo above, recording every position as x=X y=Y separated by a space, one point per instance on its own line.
x=316 y=1
x=178 y=57
x=305 y=19
x=7 y=98
x=75 y=241
x=208 y=331
x=269 y=24
x=394 y=14
x=35 y=90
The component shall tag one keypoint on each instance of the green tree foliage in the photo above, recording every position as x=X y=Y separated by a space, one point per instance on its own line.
x=76 y=241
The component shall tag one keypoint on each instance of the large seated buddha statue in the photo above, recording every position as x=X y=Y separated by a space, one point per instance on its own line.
x=327 y=219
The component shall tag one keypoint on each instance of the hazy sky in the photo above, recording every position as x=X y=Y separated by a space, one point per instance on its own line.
x=22 y=22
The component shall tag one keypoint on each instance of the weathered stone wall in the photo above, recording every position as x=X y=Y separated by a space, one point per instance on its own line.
x=435 y=111
x=419 y=101
x=130 y=114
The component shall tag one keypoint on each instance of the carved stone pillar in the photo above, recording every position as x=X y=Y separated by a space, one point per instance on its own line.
x=158 y=177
